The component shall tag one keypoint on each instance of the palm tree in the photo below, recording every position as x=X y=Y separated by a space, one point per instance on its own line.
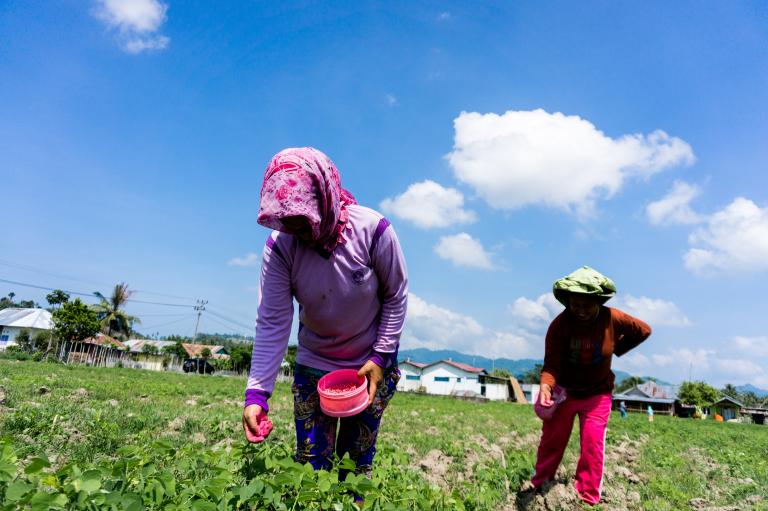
x=628 y=383
x=57 y=297
x=730 y=390
x=114 y=320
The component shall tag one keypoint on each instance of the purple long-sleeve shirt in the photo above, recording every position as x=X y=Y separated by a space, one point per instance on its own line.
x=351 y=305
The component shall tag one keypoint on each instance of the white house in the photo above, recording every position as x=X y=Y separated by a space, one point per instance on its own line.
x=158 y=361
x=14 y=320
x=448 y=378
x=410 y=376
x=531 y=392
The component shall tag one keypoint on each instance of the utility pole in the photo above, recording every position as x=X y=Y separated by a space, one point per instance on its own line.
x=200 y=307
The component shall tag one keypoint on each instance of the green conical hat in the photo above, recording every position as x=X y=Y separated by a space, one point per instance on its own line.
x=584 y=281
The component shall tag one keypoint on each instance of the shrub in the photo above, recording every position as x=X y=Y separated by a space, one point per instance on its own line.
x=15 y=353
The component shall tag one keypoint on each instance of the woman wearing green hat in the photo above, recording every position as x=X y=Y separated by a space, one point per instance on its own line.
x=580 y=343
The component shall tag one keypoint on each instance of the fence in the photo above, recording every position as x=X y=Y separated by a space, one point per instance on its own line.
x=92 y=354
x=88 y=353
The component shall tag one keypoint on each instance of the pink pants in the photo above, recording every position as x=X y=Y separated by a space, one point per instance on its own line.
x=593 y=421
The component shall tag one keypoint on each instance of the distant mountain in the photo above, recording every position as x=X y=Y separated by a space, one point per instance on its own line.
x=516 y=367
x=751 y=388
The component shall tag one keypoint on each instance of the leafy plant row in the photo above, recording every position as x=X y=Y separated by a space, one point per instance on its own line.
x=160 y=477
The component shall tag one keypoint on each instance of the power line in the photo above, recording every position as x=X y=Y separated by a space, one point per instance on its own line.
x=16 y=283
x=163 y=294
x=219 y=322
x=33 y=269
x=234 y=322
x=161 y=303
x=187 y=317
x=44 y=288
x=26 y=267
x=164 y=314
x=242 y=325
x=231 y=312
x=200 y=307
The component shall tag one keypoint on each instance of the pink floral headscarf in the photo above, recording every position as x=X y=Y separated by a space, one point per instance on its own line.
x=302 y=181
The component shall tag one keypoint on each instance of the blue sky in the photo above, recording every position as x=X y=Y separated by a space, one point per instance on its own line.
x=508 y=144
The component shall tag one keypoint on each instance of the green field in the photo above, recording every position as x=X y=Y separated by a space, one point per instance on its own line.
x=83 y=438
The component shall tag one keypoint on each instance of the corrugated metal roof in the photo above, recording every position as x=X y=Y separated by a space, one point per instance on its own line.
x=464 y=367
x=196 y=350
x=653 y=389
x=136 y=345
x=414 y=364
x=641 y=399
x=101 y=340
x=729 y=398
x=193 y=350
x=40 y=319
x=458 y=365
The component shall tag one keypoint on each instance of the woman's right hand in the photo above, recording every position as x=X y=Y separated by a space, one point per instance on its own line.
x=545 y=395
x=256 y=424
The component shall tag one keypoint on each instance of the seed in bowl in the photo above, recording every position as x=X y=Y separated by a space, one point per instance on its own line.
x=341 y=389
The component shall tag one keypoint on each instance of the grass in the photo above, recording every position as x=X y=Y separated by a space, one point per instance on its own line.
x=434 y=452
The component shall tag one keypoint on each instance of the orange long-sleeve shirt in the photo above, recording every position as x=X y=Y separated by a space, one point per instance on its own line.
x=578 y=356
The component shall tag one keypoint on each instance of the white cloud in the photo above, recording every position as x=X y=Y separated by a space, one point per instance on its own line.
x=391 y=100
x=684 y=359
x=633 y=363
x=138 y=45
x=542 y=310
x=429 y=205
x=250 y=259
x=463 y=250
x=136 y=21
x=662 y=360
x=675 y=207
x=739 y=367
x=716 y=368
x=523 y=158
x=510 y=345
x=654 y=311
x=755 y=346
x=444 y=16
x=733 y=239
x=535 y=313
x=434 y=327
x=133 y=15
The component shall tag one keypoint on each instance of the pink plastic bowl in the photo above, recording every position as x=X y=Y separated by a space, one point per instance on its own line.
x=343 y=393
x=545 y=413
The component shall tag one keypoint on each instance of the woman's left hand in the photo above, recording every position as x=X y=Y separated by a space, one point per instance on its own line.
x=375 y=377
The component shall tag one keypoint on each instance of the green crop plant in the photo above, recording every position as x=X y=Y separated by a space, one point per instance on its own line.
x=123 y=439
